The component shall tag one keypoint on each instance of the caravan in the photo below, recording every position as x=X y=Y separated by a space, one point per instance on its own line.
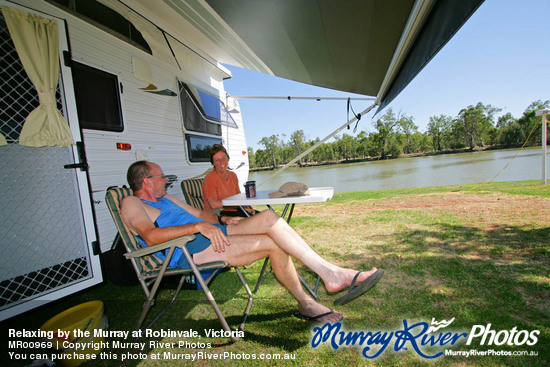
x=144 y=79
x=124 y=101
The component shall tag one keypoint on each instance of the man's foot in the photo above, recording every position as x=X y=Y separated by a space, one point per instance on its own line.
x=322 y=318
x=357 y=289
x=346 y=277
x=313 y=311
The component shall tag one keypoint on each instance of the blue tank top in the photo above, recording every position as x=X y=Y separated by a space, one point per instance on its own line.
x=171 y=214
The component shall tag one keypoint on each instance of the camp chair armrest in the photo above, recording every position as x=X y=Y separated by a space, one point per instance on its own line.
x=179 y=242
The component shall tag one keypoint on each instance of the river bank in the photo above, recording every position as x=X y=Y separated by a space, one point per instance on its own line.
x=419 y=171
x=371 y=159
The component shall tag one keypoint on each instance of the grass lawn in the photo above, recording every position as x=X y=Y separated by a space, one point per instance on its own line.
x=475 y=253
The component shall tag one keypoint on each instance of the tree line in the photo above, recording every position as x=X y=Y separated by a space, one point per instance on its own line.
x=396 y=134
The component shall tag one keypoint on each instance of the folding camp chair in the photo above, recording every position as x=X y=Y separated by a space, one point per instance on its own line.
x=192 y=191
x=150 y=269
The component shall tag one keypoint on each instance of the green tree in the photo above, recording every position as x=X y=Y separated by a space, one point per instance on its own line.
x=396 y=142
x=323 y=153
x=420 y=142
x=298 y=144
x=272 y=147
x=251 y=157
x=408 y=128
x=530 y=123
x=385 y=127
x=345 y=147
x=505 y=121
x=362 y=144
x=261 y=158
x=439 y=129
x=374 y=145
x=475 y=122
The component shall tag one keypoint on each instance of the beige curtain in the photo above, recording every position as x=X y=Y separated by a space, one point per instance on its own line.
x=37 y=45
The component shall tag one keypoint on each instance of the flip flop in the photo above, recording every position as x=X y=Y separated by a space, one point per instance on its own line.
x=357 y=290
x=300 y=315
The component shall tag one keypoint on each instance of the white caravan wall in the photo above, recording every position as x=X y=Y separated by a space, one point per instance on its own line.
x=152 y=123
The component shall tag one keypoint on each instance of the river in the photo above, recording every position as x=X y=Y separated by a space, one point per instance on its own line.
x=438 y=170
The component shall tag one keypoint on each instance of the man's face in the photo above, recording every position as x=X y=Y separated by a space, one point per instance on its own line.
x=156 y=180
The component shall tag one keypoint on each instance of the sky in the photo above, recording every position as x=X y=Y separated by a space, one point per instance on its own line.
x=500 y=56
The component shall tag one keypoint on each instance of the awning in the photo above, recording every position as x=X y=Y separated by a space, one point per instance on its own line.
x=369 y=47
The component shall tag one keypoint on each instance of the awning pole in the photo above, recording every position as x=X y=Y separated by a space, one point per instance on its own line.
x=543 y=113
x=317 y=144
x=290 y=98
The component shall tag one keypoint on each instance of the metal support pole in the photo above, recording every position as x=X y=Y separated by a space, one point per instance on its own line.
x=544 y=148
x=543 y=113
x=316 y=145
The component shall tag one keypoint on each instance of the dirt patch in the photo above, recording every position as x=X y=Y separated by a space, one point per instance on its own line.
x=450 y=251
x=492 y=210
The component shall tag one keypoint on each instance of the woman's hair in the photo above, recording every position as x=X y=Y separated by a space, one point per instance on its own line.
x=215 y=149
x=137 y=172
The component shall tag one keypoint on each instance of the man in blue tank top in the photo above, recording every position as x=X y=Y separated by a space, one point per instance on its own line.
x=156 y=217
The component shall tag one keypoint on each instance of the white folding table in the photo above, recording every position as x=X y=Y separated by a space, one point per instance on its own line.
x=316 y=195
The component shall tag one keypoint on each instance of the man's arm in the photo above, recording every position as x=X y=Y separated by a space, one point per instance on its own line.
x=205 y=215
x=135 y=216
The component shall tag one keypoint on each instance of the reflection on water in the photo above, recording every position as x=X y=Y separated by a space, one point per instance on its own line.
x=440 y=170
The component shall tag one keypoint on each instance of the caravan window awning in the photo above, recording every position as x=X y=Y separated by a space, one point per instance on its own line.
x=214 y=110
x=210 y=107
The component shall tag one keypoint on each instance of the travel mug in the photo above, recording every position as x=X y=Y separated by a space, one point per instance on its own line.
x=250 y=188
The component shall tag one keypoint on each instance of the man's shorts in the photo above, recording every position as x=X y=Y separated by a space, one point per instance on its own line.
x=199 y=244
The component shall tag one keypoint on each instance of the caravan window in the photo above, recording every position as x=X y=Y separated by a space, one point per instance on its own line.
x=203 y=117
x=202 y=121
x=198 y=147
x=97 y=98
x=213 y=110
x=202 y=111
x=105 y=18
x=193 y=112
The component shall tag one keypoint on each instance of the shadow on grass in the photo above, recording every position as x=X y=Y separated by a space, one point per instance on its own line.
x=497 y=275
x=190 y=311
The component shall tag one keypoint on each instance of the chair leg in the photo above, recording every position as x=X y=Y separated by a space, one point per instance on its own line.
x=249 y=304
x=178 y=289
x=208 y=294
x=150 y=299
x=212 y=301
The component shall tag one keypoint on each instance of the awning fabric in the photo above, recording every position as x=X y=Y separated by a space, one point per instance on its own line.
x=348 y=45
x=343 y=45
x=444 y=21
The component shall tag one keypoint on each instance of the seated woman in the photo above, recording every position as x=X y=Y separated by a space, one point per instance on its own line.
x=220 y=184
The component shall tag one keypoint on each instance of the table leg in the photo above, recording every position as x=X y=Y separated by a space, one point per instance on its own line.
x=262 y=276
x=306 y=286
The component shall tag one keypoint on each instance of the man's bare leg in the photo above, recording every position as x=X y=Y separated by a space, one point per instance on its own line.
x=269 y=223
x=246 y=249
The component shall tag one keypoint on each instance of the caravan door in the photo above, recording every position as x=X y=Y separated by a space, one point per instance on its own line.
x=47 y=230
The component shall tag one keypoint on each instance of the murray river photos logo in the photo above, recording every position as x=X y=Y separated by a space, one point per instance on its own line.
x=419 y=336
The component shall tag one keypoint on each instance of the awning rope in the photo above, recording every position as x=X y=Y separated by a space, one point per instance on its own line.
x=318 y=144
x=358 y=116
